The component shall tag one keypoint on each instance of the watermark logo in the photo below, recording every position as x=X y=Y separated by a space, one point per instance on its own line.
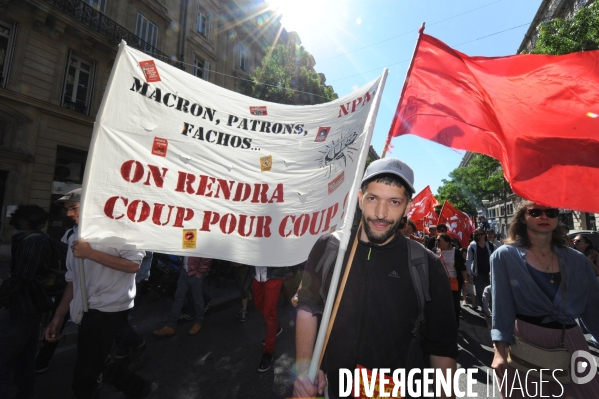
x=583 y=367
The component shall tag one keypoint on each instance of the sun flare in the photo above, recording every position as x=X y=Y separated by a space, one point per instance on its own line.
x=298 y=14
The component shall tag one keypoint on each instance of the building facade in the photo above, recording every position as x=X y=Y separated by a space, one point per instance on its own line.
x=55 y=60
x=548 y=10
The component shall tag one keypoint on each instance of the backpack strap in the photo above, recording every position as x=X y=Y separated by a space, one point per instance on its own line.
x=418 y=266
x=326 y=262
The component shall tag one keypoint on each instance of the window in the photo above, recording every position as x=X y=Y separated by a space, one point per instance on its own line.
x=243 y=57
x=99 y=5
x=201 y=68
x=70 y=164
x=203 y=23
x=4 y=134
x=78 y=85
x=510 y=209
x=148 y=32
x=7 y=37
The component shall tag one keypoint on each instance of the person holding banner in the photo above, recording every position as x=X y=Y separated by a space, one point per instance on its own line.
x=110 y=282
x=375 y=326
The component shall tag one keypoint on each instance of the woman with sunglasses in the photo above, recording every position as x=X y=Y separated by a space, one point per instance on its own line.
x=455 y=266
x=585 y=245
x=528 y=299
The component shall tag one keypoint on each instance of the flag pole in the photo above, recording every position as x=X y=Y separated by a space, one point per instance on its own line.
x=344 y=235
x=405 y=85
x=348 y=265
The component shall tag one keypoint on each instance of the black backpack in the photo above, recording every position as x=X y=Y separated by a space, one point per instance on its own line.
x=417 y=262
x=52 y=278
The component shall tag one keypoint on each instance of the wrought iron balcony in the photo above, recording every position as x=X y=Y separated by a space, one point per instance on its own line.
x=100 y=23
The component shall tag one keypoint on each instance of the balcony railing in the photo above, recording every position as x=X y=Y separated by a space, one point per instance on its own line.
x=100 y=23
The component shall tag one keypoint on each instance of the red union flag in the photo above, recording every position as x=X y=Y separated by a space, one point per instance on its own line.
x=458 y=223
x=536 y=114
x=423 y=209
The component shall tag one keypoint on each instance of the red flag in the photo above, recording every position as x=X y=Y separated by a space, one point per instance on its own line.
x=536 y=114
x=423 y=209
x=458 y=223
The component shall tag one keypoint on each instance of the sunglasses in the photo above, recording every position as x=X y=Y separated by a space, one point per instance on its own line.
x=550 y=213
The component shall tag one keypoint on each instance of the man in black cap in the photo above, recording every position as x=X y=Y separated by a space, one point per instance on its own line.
x=377 y=315
x=109 y=276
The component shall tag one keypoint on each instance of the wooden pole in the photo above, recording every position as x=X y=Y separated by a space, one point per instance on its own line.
x=341 y=289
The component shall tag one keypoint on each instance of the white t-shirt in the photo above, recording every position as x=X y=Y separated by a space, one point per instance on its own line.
x=261 y=274
x=108 y=290
x=449 y=259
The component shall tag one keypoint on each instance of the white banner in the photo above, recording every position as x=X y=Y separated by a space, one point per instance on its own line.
x=181 y=166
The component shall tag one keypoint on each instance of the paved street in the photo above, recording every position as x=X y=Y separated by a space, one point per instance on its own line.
x=219 y=362
x=222 y=360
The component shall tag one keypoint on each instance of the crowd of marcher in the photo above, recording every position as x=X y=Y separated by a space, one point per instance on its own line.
x=535 y=288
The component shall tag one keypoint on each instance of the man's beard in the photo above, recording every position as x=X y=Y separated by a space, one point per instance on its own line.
x=380 y=239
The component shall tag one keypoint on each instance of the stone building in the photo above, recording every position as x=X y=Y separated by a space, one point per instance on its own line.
x=55 y=60
x=548 y=10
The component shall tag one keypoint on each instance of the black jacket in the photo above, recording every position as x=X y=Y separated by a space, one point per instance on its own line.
x=379 y=308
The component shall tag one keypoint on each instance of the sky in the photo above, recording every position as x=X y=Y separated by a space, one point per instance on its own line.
x=352 y=42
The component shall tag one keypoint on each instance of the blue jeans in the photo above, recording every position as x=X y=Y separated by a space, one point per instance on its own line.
x=480 y=282
x=185 y=283
x=144 y=270
x=18 y=343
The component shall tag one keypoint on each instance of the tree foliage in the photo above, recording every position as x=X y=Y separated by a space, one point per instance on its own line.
x=286 y=76
x=468 y=186
x=560 y=36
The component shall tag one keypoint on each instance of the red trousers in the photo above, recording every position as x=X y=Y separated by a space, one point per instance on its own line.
x=266 y=298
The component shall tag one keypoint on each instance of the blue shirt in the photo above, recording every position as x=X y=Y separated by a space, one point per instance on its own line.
x=515 y=292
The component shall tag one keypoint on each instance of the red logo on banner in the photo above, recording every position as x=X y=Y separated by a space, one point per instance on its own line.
x=423 y=209
x=458 y=223
x=159 y=147
x=150 y=71
x=322 y=134
x=258 y=111
x=336 y=182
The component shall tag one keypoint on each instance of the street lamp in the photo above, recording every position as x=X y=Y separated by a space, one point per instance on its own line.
x=485 y=203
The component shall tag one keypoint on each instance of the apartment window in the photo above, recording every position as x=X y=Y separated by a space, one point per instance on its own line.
x=510 y=209
x=78 y=85
x=99 y=5
x=70 y=164
x=201 y=68
x=4 y=134
x=203 y=23
x=243 y=57
x=7 y=37
x=146 y=31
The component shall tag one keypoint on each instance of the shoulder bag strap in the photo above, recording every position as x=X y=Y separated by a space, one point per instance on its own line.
x=563 y=288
